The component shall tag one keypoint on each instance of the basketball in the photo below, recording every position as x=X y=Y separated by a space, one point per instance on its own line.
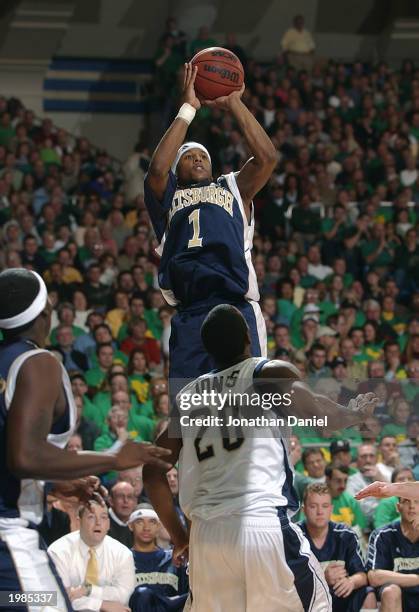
x=220 y=72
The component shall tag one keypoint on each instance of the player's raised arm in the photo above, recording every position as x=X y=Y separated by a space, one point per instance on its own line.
x=306 y=403
x=165 y=153
x=257 y=170
x=30 y=455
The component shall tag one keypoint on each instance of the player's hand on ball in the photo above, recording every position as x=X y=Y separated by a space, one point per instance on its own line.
x=131 y=454
x=188 y=93
x=376 y=489
x=225 y=102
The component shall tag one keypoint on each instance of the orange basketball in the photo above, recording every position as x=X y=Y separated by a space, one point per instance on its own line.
x=219 y=73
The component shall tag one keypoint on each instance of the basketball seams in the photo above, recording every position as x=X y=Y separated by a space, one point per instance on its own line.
x=232 y=87
x=230 y=67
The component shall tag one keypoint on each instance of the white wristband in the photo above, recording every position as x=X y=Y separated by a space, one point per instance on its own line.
x=186 y=112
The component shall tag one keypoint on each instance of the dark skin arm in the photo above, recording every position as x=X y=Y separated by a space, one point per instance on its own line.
x=161 y=498
x=165 y=153
x=306 y=403
x=257 y=170
x=31 y=414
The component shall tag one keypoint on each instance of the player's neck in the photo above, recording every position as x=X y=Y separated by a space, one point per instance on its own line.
x=33 y=338
x=145 y=547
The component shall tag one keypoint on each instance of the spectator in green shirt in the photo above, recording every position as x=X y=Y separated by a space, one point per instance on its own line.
x=400 y=411
x=345 y=507
x=202 y=41
x=377 y=252
x=386 y=511
x=105 y=357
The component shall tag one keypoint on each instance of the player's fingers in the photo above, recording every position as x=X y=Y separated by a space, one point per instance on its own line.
x=159 y=451
x=185 y=75
x=194 y=72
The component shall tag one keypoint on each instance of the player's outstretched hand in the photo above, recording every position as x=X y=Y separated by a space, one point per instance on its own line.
x=180 y=552
x=225 y=102
x=131 y=454
x=364 y=403
x=188 y=91
x=376 y=489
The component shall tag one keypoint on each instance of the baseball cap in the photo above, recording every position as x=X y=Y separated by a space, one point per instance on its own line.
x=337 y=361
x=339 y=445
x=325 y=330
x=142 y=513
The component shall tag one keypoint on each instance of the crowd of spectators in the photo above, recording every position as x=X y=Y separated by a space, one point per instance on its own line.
x=335 y=251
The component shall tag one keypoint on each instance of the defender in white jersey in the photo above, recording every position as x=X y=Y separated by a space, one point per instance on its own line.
x=236 y=486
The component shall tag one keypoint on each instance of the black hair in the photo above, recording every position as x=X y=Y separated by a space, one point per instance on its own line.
x=335 y=466
x=18 y=289
x=225 y=333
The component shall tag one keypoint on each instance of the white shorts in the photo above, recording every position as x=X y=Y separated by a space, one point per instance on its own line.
x=26 y=566
x=237 y=564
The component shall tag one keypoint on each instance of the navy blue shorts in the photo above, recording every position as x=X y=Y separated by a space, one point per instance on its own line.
x=188 y=357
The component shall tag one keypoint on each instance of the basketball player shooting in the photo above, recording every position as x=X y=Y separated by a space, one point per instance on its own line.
x=205 y=228
x=37 y=418
x=237 y=489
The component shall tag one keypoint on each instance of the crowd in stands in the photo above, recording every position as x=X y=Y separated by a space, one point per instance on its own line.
x=335 y=251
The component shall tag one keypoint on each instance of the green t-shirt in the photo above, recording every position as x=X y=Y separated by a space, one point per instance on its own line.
x=385 y=258
x=347 y=510
x=286 y=308
x=386 y=512
x=94 y=377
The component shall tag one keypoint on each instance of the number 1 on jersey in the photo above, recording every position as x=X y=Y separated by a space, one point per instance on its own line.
x=195 y=241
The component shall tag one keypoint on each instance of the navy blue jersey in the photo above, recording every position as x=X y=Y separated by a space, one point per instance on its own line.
x=341 y=544
x=205 y=242
x=160 y=585
x=24 y=499
x=389 y=549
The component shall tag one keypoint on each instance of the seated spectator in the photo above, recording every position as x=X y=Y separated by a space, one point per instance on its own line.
x=202 y=41
x=86 y=343
x=314 y=466
x=160 y=584
x=73 y=360
x=408 y=448
x=97 y=571
x=346 y=508
x=390 y=458
x=317 y=359
x=105 y=357
x=97 y=294
x=134 y=477
x=122 y=501
x=399 y=411
x=338 y=550
x=393 y=560
x=386 y=511
x=137 y=340
x=368 y=472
